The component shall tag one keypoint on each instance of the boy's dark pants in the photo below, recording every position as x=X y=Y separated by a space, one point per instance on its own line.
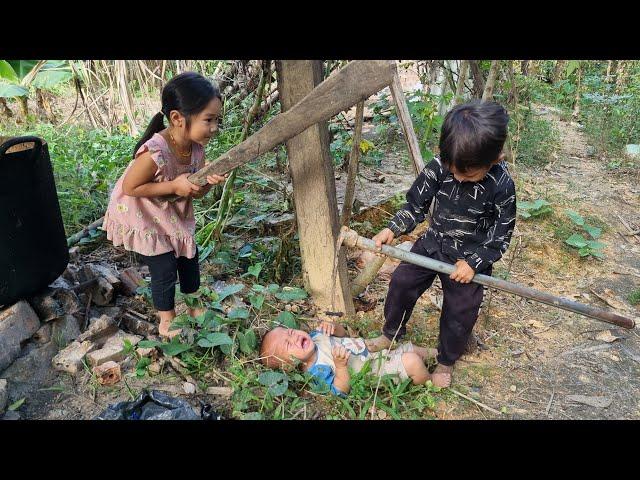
x=459 y=308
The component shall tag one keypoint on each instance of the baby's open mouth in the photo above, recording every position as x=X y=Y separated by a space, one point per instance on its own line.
x=303 y=343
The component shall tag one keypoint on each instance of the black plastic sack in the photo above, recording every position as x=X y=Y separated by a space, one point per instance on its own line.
x=33 y=245
x=155 y=405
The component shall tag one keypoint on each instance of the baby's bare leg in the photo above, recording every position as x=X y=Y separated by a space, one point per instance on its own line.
x=414 y=365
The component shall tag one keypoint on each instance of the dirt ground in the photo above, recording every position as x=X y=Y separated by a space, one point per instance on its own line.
x=534 y=357
x=531 y=359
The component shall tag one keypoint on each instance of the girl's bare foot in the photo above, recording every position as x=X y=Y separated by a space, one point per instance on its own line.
x=163 y=329
x=441 y=376
x=377 y=344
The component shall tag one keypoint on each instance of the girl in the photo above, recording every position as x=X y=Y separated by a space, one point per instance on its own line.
x=139 y=216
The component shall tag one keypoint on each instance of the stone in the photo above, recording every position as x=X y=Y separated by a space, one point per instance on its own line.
x=65 y=330
x=100 y=329
x=56 y=301
x=17 y=324
x=632 y=150
x=113 y=349
x=4 y=394
x=43 y=335
x=598 y=402
x=131 y=280
x=108 y=373
x=150 y=352
x=11 y=415
x=31 y=370
x=70 y=359
x=189 y=388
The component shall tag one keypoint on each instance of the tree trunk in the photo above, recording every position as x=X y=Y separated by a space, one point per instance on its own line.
x=462 y=77
x=24 y=107
x=45 y=106
x=524 y=67
x=314 y=194
x=557 y=71
x=487 y=94
x=478 y=79
x=5 y=111
x=612 y=71
x=576 y=106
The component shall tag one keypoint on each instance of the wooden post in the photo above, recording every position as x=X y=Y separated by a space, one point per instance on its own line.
x=407 y=126
x=314 y=193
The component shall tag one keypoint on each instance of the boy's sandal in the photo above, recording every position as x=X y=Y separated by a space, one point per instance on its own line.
x=441 y=376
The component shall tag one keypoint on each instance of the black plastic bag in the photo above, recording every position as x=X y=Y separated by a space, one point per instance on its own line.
x=150 y=405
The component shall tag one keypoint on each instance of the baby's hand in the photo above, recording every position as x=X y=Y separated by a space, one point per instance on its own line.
x=340 y=355
x=327 y=327
x=183 y=187
x=463 y=272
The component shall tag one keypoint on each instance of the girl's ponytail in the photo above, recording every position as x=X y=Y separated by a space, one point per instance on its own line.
x=155 y=126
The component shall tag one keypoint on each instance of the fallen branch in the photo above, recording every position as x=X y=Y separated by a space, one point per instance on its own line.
x=75 y=238
x=480 y=404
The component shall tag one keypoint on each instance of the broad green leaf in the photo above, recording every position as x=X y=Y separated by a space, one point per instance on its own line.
x=595 y=245
x=244 y=344
x=149 y=344
x=215 y=339
x=593 y=231
x=287 y=319
x=584 y=251
x=230 y=290
x=524 y=213
x=238 y=313
x=22 y=67
x=226 y=348
x=254 y=270
x=251 y=338
x=258 y=288
x=571 y=66
x=7 y=72
x=273 y=288
x=9 y=90
x=256 y=301
x=575 y=217
x=289 y=294
x=174 y=347
x=47 y=79
x=576 y=240
x=277 y=382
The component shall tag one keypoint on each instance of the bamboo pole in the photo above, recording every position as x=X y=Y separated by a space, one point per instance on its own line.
x=351 y=238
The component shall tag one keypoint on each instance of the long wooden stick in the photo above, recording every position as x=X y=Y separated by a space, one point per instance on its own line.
x=356 y=82
x=406 y=124
x=350 y=187
x=351 y=238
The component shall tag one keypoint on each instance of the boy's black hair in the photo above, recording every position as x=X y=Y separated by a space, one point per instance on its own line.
x=473 y=135
x=188 y=93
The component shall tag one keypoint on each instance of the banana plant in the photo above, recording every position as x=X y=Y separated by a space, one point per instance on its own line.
x=17 y=76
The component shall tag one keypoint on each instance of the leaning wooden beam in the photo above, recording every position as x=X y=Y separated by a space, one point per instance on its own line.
x=357 y=81
x=371 y=269
x=406 y=124
x=354 y=158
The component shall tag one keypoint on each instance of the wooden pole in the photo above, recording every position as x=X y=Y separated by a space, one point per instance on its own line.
x=314 y=190
x=354 y=158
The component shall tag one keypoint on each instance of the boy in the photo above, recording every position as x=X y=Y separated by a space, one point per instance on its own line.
x=327 y=354
x=473 y=219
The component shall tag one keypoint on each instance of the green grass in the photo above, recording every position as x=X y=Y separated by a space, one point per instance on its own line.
x=634 y=297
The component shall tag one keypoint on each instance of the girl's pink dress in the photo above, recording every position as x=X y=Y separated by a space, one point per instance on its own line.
x=153 y=225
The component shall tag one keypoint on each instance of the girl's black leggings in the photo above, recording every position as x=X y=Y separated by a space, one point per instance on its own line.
x=165 y=270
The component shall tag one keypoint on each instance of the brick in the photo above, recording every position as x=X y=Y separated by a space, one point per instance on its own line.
x=113 y=349
x=70 y=359
x=17 y=324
